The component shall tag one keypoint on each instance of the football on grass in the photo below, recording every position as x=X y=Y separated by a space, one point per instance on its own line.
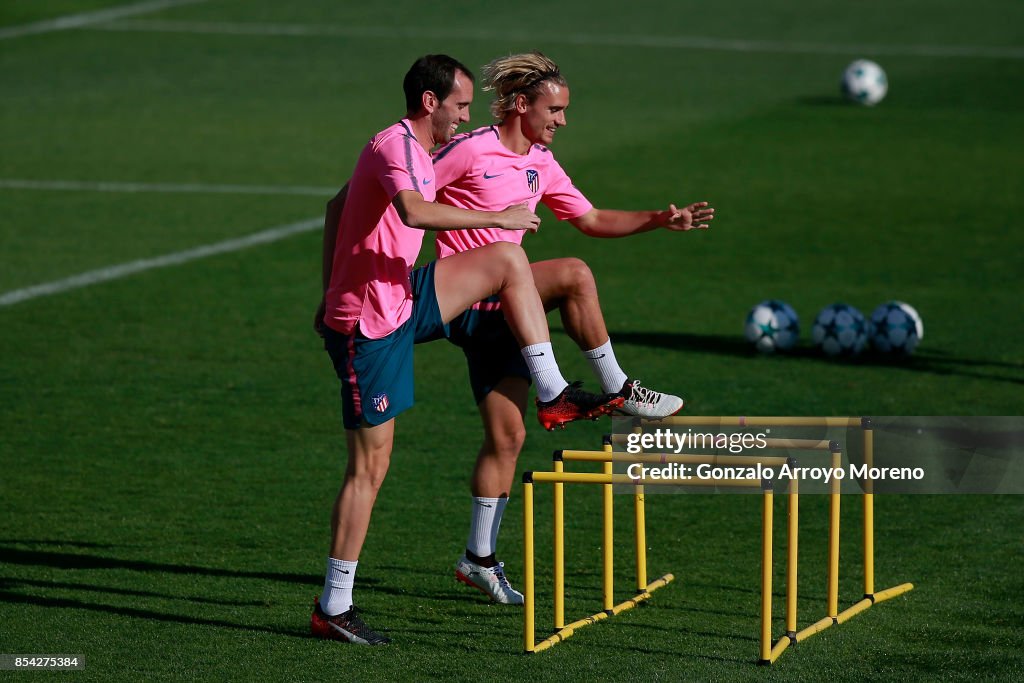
x=840 y=330
x=895 y=328
x=864 y=82
x=771 y=326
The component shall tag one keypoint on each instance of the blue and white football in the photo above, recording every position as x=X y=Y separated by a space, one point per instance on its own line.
x=840 y=330
x=771 y=326
x=895 y=328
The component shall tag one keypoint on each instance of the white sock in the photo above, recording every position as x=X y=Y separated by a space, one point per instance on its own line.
x=483 y=525
x=498 y=512
x=602 y=362
x=540 y=358
x=337 y=595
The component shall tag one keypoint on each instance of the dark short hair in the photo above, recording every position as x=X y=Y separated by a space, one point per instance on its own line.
x=435 y=73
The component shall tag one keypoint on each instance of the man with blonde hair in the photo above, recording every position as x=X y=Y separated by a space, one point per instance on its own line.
x=510 y=163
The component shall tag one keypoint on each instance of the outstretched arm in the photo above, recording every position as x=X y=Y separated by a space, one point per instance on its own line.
x=614 y=223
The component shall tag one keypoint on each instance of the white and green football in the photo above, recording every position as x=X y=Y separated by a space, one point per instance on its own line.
x=772 y=325
x=864 y=82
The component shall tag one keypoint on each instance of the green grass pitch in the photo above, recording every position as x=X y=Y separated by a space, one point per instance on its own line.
x=170 y=442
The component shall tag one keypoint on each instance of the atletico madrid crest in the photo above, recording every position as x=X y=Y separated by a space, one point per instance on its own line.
x=380 y=402
x=533 y=180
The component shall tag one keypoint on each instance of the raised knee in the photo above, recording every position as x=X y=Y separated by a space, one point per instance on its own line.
x=579 y=277
x=579 y=272
x=510 y=256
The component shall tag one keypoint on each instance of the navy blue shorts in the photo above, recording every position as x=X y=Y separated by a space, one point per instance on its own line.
x=376 y=374
x=492 y=352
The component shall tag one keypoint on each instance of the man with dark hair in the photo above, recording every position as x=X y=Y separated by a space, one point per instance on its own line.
x=431 y=72
x=374 y=309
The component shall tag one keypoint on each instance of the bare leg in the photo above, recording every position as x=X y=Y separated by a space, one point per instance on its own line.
x=568 y=285
x=502 y=411
x=369 y=454
x=501 y=268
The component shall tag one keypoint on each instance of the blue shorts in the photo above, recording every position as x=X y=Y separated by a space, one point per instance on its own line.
x=492 y=352
x=376 y=374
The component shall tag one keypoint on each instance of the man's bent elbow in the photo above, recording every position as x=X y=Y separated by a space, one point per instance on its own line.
x=588 y=223
x=415 y=214
x=411 y=217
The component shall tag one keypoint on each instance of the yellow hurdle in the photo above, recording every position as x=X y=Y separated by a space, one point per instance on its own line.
x=756 y=421
x=559 y=549
x=766 y=572
x=607 y=480
x=769 y=651
x=870 y=597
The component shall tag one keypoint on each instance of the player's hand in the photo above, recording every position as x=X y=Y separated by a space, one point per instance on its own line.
x=696 y=216
x=518 y=217
x=318 y=319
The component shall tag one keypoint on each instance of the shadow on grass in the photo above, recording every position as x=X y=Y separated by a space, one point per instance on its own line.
x=931 y=362
x=680 y=655
x=136 y=613
x=59 y=560
x=465 y=639
x=14 y=583
x=697 y=584
x=62 y=560
x=74 y=544
x=806 y=594
x=824 y=101
x=401 y=592
x=700 y=610
x=677 y=630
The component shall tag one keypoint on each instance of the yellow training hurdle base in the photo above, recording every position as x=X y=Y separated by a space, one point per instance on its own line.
x=769 y=652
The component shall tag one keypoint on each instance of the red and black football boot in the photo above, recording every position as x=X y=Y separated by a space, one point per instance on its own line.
x=575 y=404
x=346 y=627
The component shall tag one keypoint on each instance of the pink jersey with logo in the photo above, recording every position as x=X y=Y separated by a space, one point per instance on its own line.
x=375 y=250
x=475 y=171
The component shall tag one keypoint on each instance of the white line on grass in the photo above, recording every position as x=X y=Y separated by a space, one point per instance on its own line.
x=668 y=42
x=175 y=259
x=88 y=18
x=198 y=188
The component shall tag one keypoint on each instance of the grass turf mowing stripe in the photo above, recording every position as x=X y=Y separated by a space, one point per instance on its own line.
x=93 y=277
x=87 y=18
x=196 y=188
x=585 y=39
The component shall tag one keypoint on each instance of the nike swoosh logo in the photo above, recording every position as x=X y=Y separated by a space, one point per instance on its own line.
x=488 y=177
x=535 y=355
x=348 y=635
x=426 y=181
x=598 y=357
x=345 y=571
x=486 y=505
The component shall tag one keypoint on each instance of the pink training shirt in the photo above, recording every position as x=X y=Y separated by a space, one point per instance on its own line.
x=475 y=171
x=375 y=250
